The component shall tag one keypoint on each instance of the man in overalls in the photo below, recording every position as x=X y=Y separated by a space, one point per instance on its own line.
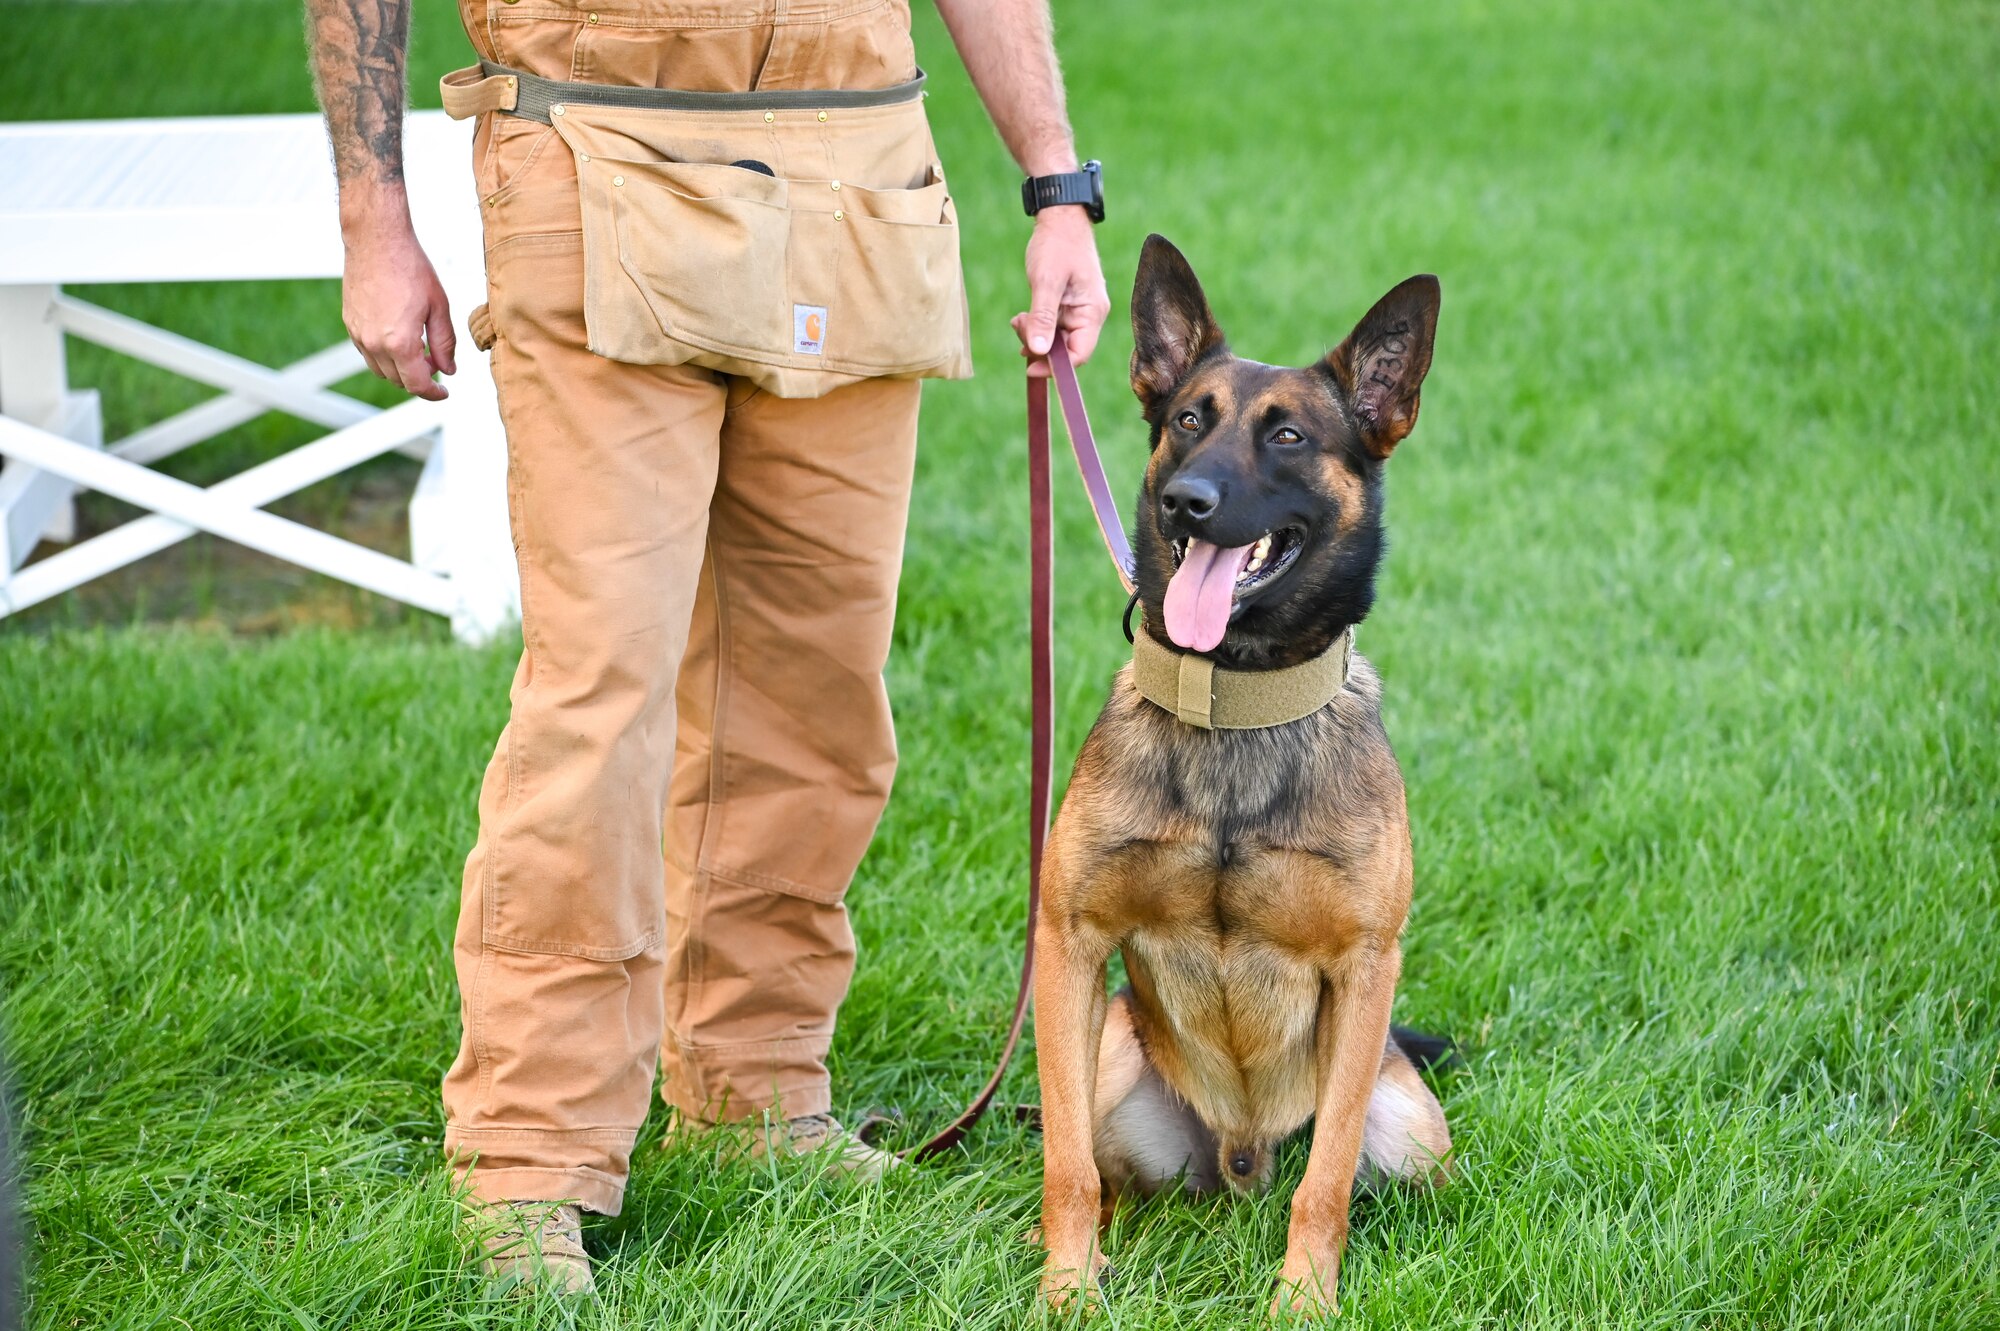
x=708 y=317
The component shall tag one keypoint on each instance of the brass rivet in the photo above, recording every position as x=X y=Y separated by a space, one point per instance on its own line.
x=618 y=180
x=836 y=186
x=838 y=215
x=769 y=116
x=822 y=117
x=493 y=201
x=593 y=18
x=555 y=110
x=511 y=81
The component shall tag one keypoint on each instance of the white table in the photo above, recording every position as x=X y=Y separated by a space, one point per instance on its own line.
x=231 y=198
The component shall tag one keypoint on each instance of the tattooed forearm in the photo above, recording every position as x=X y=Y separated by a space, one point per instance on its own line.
x=359 y=53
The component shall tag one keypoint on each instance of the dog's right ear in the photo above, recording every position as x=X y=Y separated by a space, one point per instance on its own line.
x=1172 y=328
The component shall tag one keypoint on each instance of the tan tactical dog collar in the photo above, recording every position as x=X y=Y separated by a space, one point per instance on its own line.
x=1203 y=694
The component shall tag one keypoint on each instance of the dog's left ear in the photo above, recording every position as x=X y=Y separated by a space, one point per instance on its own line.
x=1381 y=366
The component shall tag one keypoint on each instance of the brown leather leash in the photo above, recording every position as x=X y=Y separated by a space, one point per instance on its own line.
x=1041 y=652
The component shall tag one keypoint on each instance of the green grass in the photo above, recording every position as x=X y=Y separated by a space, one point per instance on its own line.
x=1688 y=628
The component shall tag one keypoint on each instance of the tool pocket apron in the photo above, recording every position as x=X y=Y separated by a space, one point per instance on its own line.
x=800 y=239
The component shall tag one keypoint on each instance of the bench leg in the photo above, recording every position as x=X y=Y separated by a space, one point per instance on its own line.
x=34 y=388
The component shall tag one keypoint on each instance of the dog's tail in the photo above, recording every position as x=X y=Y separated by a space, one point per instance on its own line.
x=1424 y=1050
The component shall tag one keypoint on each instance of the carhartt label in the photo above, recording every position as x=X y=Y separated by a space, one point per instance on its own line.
x=809 y=330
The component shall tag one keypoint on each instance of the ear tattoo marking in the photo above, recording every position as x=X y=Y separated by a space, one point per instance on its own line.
x=1395 y=344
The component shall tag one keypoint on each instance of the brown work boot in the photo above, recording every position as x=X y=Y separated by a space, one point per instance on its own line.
x=804 y=1137
x=529 y=1246
x=810 y=1134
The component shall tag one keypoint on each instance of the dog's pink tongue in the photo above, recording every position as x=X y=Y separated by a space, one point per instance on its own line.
x=1201 y=594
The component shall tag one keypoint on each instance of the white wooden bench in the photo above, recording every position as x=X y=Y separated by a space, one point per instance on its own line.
x=231 y=198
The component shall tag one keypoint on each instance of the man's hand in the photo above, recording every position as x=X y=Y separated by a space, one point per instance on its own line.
x=1065 y=289
x=396 y=311
x=1010 y=53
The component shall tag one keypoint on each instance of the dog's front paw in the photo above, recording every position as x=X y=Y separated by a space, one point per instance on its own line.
x=1305 y=1289
x=1064 y=1282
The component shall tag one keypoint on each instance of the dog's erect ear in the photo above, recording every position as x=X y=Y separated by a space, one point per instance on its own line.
x=1381 y=365
x=1171 y=325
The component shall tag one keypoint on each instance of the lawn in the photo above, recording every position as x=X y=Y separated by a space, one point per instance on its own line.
x=1688 y=627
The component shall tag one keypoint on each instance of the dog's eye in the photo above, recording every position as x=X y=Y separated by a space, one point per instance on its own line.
x=1287 y=435
x=1187 y=420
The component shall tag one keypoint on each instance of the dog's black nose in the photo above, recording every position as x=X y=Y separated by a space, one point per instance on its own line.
x=1190 y=497
x=1241 y=1163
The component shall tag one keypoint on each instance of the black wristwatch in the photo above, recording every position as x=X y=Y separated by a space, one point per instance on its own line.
x=1085 y=187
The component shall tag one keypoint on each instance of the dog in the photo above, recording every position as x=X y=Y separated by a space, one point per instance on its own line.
x=1256 y=880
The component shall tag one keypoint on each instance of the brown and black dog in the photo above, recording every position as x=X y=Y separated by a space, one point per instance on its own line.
x=1255 y=880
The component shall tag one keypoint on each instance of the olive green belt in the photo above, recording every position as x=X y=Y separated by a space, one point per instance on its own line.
x=490 y=87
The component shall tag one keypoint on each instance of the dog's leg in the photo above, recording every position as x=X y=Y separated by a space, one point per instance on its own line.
x=1069 y=1020
x=1353 y=1030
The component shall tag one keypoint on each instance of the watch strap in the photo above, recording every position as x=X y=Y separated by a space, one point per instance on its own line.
x=1083 y=187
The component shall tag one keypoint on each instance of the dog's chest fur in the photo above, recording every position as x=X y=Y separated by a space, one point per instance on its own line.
x=1240 y=871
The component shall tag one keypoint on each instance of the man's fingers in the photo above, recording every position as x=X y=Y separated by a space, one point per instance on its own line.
x=1038 y=365
x=1044 y=304
x=415 y=376
x=1081 y=323
x=412 y=369
x=405 y=359
x=380 y=365
x=398 y=315
x=1083 y=318
x=1082 y=340
x=438 y=334
x=366 y=357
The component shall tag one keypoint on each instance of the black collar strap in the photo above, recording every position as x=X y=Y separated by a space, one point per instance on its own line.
x=1203 y=694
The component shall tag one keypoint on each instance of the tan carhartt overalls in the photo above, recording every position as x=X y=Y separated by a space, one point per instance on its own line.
x=707 y=328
